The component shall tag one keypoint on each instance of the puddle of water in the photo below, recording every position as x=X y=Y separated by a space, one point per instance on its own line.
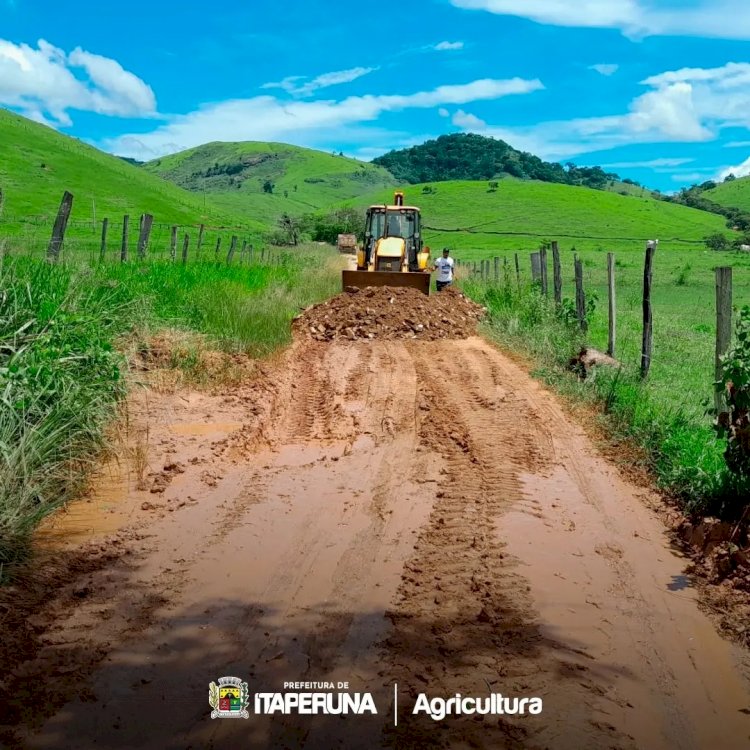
x=100 y=513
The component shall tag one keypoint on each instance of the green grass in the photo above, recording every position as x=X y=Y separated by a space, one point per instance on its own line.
x=305 y=180
x=677 y=444
x=734 y=194
x=683 y=291
x=520 y=214
x=61 y=377
x=626 y=188
x=38 y=164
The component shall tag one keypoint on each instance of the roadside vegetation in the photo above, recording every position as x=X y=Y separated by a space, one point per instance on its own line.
x=62 y=377
x=673 y=437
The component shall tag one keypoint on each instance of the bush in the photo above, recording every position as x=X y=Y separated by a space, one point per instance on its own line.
x=734 y=423
x=327 y=227
x=716 y=241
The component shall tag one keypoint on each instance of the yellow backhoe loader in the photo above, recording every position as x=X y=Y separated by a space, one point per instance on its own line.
x=393 y=253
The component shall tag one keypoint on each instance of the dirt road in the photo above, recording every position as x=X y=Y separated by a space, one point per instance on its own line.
x=420 y=514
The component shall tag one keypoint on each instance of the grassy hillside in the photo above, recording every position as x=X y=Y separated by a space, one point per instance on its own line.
x=37 y=164
x=628 y=188
x=521 y=213
x=735 y=193
x=233 y=175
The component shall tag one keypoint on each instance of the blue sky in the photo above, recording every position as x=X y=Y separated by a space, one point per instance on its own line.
x=657 y=90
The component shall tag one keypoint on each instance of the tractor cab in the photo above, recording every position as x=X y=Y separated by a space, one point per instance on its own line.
x=385 y=225
x=392 y=253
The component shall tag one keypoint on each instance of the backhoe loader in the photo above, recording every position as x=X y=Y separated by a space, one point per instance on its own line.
x=392 y=253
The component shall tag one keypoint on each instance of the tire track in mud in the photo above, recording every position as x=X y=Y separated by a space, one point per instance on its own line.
x=463 y=621
x=360 y=531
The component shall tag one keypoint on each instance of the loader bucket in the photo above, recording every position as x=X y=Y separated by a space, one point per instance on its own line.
x=363 y=279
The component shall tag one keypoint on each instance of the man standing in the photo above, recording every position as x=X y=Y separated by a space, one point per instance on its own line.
x=444 y=267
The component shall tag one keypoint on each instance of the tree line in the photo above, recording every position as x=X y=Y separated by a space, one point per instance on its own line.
x=467 y=156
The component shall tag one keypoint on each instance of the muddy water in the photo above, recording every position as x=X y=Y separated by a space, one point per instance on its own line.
x=420 y=514
x=114 y=498
x=106 y=508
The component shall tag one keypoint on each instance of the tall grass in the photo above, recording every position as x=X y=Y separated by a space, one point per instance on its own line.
x=677 y=446
x=59 y=384
x=61 y=378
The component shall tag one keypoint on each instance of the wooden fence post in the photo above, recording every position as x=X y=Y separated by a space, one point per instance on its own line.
x=611 y=340
x=185 y=245
x=648 y=320
x=243 y=251
x=557 y=272
x=232 y=248
x=124 y=246
x=536 y=267
x=250 y=254
x=723 y=326
x=201 y=229
x=518 y=273
x=103 y=249
x=146 y=221
x=580 y=295
x=543 y=268
x=263 y=254
x=497 y=268
x=173 y=244
x=61 y=223
x=218 y=248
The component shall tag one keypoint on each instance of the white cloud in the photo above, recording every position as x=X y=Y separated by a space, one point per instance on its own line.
x=467 y=121
x=650 y=164
x=737 y=144
x=448 y=46
x=723 y=19
x=304 y=122
x=741 y=170
x=688 y=177
x=292 y=85
x=42 y=83
x=288 y=84
x=117 y=91
x=688 y=106
x=606 y=69
x=443 y=112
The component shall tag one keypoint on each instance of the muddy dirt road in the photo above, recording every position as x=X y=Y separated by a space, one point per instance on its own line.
x=387 y=512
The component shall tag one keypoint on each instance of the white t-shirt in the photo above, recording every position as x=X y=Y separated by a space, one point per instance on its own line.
x=445 y=269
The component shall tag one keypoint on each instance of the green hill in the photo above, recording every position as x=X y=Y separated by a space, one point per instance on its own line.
x=468 y=156
x=732 y=193
x=629 y=188
x=37 y=164
x=297 y=180
x=471 y=218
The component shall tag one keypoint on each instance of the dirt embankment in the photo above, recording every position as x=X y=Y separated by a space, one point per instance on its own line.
x=380 y=512
x=385 y=313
